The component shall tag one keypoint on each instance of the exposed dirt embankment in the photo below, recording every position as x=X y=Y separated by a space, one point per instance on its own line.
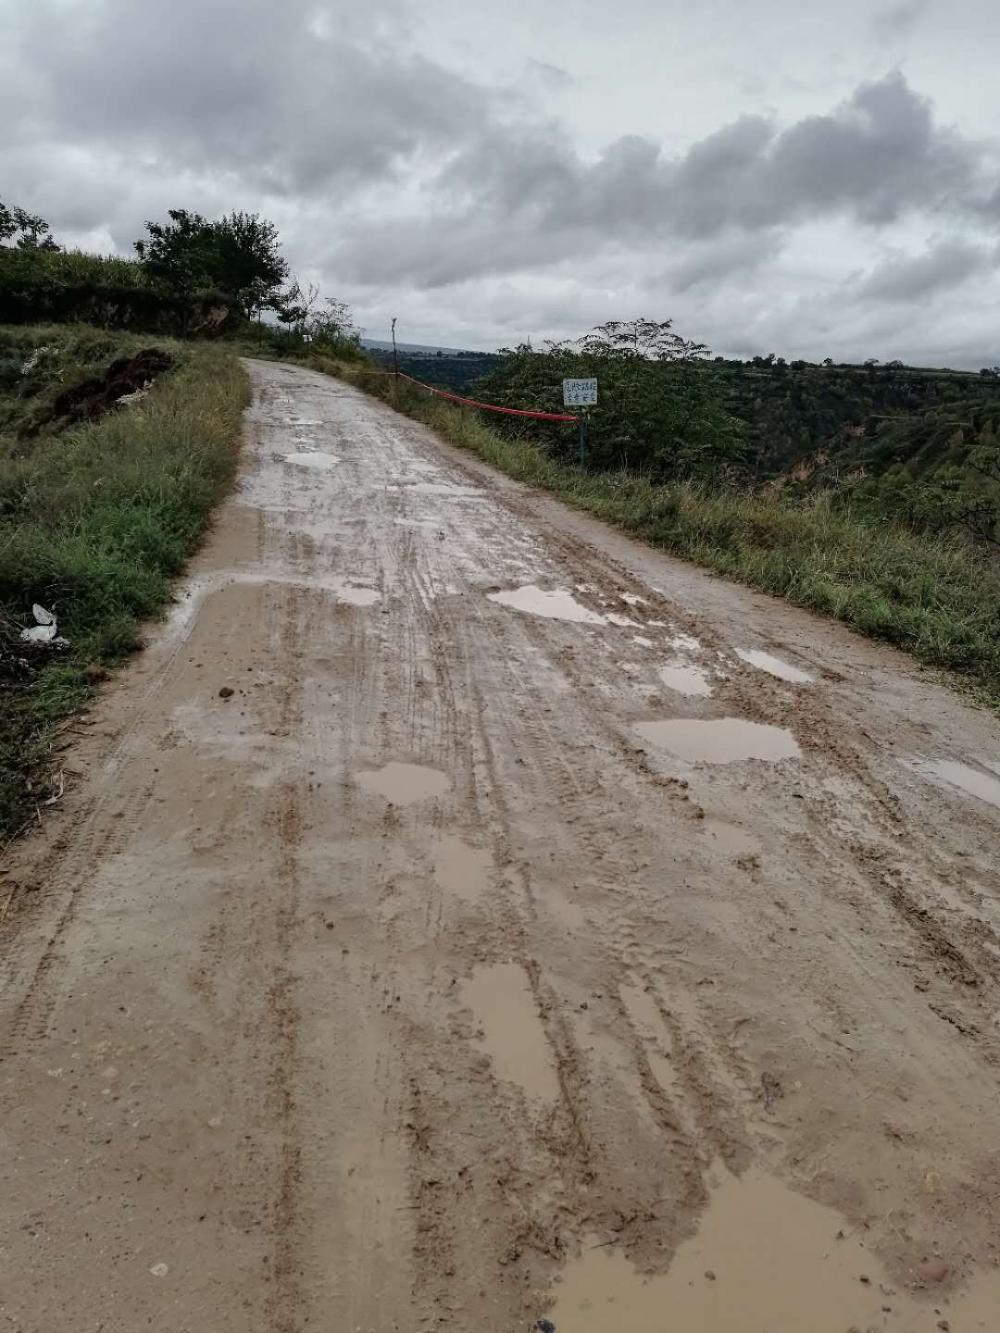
x=93 y=397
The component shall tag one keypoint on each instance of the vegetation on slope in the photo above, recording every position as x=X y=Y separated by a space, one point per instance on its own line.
x=95 y=520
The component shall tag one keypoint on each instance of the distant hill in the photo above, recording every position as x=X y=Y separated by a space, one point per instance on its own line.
x=443 y=367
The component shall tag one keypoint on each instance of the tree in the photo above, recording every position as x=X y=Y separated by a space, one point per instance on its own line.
x=295 y=306
x=32 y=231
x=178 y=254
x=335 y=323
x=247 y=262
x=237 y=255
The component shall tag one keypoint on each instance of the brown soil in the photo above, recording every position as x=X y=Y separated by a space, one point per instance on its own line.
x=421 y=983
x=91 y=398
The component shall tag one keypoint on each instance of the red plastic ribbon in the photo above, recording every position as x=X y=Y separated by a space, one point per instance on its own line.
x=487 y=407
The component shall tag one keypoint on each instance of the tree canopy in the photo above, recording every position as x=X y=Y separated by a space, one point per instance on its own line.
x=238 y=255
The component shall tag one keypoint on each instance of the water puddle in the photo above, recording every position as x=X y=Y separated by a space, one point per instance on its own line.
x=462 y=870
x=500 y=997
x=557 y=605
x=320 y=461
x=973 y=781
x=402 y=784
x=774 y=666
x=763 y=1259
x=683 y=678
x=723 y=740
x=355 y=594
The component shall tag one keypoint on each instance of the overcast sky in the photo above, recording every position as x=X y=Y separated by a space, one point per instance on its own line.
x=774 y=176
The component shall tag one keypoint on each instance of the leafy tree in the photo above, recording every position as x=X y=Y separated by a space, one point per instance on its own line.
x=178 y=253
x=659 y=407
x=32 y=231
x=246 y=261
x=238 y=255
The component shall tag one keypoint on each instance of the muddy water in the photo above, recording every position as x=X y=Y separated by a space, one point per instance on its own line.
x=322 y=462
x=402 y=784
x=723 y=740
x=500 y=997
x=764 y=1260
x=971 y=780
x=557 y=605
x=684 y=678
x=461 y=869
x=774 y=666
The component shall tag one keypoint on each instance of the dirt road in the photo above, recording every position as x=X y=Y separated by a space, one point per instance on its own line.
x=463 y=967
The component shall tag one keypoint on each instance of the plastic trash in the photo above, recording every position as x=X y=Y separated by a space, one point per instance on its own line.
x=44 y=630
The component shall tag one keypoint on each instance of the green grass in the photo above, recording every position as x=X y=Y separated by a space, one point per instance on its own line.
x=935 y=597
x=95 y=521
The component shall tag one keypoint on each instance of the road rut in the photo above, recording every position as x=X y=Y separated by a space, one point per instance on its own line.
x=463 y=967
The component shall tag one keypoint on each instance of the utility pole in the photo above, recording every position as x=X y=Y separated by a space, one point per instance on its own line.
x=395 y=358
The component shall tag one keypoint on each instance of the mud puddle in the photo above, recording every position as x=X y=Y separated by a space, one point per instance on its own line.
x=501 y=999
x=556 y=605
x=402 y=784
x=320 y=461
x=973 y=781
x=774 y=666
x=723 y=740
x=763 y=1258
x=461 y=869
x=684 y=678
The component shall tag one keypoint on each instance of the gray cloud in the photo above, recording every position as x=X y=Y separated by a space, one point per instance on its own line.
x=276 y=93
x=913 y=278
x=405 y=182
x=899 y=19
x=513 y=199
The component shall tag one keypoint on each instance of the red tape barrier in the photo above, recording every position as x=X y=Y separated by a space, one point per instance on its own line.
x=487 y=407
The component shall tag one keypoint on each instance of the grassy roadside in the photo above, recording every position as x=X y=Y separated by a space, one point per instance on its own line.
x=95 y=521
x=933 y=597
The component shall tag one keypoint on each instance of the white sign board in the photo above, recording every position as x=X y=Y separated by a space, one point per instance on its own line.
x=579 y=393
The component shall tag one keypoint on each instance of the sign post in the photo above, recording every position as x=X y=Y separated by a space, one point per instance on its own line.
x=581 y=393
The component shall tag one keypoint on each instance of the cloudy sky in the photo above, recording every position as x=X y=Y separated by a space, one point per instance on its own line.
x=774 y=176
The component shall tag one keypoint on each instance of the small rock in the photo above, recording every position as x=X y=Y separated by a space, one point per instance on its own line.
x=226 y=692
x=932 y=1270
x=864 y=1278
x=943 y=1325
x=710 y=1275
x=159 y=1270
x=545 y=1326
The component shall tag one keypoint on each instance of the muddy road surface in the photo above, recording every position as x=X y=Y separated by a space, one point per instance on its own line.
x=460 y=917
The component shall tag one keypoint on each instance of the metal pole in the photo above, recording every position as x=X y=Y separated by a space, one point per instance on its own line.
x=395 y=358
x=583 y=437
